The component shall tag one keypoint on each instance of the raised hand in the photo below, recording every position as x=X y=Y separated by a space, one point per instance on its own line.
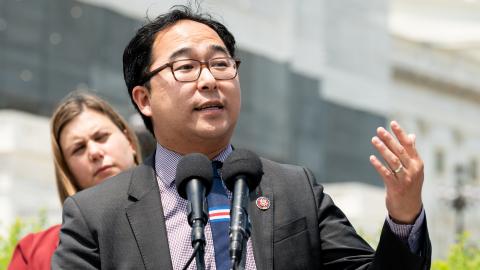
x=402 y=173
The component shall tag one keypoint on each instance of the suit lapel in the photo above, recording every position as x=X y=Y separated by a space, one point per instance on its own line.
x=262 y=225
x=146 y=218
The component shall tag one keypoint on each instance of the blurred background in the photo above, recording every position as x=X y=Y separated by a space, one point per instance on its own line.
x=317 y=77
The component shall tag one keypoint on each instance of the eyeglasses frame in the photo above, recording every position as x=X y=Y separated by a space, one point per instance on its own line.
x=149 y=75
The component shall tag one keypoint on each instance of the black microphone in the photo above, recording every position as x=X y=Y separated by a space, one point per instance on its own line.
x=194 y=181
x=242 y=172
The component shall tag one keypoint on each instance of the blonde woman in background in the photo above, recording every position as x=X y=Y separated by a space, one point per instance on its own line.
x=90 y=143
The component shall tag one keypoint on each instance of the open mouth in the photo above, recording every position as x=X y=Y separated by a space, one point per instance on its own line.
x=212 y=106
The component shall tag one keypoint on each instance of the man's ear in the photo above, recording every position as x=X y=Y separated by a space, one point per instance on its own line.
x=141 y=96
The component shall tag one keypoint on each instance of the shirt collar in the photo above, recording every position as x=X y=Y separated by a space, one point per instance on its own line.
x=166 y=162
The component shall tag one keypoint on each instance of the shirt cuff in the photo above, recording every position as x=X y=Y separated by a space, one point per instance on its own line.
x=410 y=234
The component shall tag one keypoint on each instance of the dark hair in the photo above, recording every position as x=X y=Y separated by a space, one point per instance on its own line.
x=138 y=53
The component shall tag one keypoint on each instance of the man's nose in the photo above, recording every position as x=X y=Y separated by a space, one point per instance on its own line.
x=206 y=81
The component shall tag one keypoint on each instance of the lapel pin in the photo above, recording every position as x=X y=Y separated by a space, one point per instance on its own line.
x=263 y=203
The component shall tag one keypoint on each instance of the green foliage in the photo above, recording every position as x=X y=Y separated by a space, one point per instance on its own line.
x=15 y=232
x=463 y=255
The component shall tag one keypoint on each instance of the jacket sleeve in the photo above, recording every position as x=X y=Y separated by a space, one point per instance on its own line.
x=343 y=248
x=78 y=248
x=20 y=255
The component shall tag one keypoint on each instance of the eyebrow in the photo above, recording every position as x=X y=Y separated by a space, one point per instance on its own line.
x=75 y=139
x=72 y=145
x=188 y=51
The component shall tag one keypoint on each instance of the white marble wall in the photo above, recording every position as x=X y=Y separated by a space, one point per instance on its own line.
x=27 y=181
x=346 y=45
x=442 y=123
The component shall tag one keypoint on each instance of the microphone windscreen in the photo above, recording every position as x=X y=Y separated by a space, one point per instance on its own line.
x=193 y=166
x=242 y=162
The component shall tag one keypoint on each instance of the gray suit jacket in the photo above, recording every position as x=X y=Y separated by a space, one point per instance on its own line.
x=119 y=224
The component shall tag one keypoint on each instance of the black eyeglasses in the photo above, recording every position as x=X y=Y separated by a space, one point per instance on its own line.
x=189 y=70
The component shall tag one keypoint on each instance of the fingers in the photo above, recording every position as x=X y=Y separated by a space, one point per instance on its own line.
x=403 y=186
x=402 y=147
x=395 y=146
x=386 y=174
x=407 y=141
x=392 y=160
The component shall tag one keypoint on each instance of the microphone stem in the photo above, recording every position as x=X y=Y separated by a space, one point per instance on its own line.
x=239 y=224
x=200 y=257
x=198 y=239
x=237 y=265
x=197 y=246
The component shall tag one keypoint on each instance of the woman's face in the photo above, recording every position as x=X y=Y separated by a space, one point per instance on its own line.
x=95 y=148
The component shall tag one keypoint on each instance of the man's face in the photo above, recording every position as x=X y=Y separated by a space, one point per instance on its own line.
x=193 y=116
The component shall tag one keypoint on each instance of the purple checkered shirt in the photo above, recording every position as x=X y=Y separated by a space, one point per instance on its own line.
x=175 y=211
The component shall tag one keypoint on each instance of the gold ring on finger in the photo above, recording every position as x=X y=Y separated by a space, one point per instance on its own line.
x=399 y=169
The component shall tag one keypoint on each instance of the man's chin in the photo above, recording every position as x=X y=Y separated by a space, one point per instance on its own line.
x=219 y=132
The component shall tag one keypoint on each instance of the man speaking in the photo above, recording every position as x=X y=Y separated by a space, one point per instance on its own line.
x=182 y=76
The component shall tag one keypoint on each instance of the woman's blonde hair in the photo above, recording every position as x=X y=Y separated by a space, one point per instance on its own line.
x=70 y=107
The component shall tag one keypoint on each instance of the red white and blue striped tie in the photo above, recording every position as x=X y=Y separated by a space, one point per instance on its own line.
x=219 y=218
